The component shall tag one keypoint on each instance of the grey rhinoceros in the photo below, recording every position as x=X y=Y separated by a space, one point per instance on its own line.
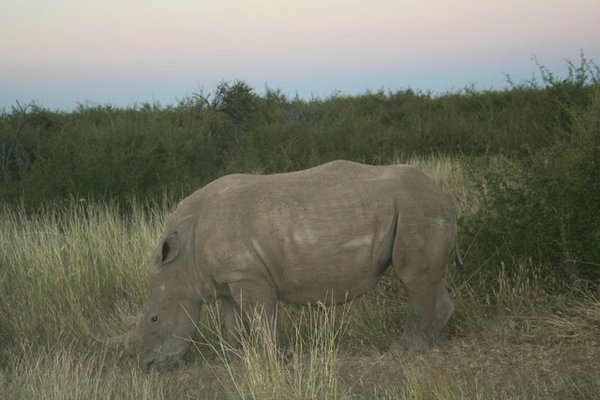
x=325 y=234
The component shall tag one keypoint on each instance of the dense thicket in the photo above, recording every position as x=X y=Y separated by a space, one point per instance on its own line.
x=147 y=150
x=544 y=206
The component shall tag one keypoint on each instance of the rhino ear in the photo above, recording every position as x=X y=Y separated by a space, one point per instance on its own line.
x=170 y=248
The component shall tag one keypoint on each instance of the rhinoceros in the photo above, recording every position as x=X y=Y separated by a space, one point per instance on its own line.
x=324 y=234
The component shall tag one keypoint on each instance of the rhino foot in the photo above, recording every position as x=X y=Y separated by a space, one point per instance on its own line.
x=417 y=343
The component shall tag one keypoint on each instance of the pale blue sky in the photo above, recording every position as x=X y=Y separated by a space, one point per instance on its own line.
x=120 y=52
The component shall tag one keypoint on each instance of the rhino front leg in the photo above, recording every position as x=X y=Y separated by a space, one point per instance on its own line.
x=256 y=302
x=232 y=322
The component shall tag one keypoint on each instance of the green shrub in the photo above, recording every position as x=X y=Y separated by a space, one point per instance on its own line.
x=546 y=206
x=146 y=150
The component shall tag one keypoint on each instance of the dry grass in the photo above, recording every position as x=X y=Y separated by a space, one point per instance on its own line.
x=513 y=356
x=66 y=372
x=63 y=275
x=262 y=369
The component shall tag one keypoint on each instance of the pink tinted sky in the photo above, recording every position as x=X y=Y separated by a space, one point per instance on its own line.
x=61 y=52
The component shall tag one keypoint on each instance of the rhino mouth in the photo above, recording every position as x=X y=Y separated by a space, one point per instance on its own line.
x=163 y=362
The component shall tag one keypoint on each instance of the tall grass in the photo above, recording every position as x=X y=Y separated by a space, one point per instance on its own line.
x=304 y=369
x=61 y=372
x=82 y=268
x=63 y=268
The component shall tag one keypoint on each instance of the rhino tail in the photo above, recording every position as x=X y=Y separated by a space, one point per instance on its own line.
x=458 y=261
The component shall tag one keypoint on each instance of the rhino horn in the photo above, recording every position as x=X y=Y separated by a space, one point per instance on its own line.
x=120 y=342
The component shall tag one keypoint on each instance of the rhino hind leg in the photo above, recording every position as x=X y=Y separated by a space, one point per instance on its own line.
x=421 y=270
x=430 y=308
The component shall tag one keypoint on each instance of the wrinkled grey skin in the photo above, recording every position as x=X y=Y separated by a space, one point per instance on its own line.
x=325 y=234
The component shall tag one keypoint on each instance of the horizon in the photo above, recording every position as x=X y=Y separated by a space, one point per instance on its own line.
x=122 y=53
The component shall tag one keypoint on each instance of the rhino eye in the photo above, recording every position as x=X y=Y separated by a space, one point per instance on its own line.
x=154 y=318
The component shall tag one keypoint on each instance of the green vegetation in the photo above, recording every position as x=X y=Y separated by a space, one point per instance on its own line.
x=544 y=206
x=146 y=151
x=83 y=196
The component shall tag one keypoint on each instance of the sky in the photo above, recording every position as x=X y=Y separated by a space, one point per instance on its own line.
x=61 y=53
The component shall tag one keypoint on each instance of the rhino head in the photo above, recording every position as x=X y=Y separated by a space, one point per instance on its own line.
x=160 y=336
